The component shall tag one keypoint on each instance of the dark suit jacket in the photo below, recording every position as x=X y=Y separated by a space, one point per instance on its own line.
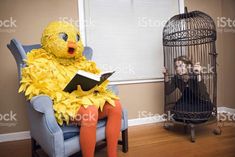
x=198 y=88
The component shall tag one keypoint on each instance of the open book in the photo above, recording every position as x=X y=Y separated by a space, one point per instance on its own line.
x=87 y=80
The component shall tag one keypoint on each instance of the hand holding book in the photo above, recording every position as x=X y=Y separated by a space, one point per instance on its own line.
x=87 y=80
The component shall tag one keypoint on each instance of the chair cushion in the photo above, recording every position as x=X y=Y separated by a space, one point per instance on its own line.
x=70 y=131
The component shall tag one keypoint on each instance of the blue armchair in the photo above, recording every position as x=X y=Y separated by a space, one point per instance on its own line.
x=55 y=140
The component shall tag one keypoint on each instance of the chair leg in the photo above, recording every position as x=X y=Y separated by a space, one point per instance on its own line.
x=125 y=141
x=192 y=127
x=34 y=148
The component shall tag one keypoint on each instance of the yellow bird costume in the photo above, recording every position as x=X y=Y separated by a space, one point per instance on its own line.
x=50 y=68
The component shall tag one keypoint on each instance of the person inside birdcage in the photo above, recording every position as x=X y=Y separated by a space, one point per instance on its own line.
x=194 y=103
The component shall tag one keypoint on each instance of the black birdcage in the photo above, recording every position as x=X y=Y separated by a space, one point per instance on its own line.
x=190 y=70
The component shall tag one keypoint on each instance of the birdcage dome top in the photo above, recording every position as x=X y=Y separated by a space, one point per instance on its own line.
x=190 y=28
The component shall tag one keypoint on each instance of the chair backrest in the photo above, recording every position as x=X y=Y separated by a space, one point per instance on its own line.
x=19 y=52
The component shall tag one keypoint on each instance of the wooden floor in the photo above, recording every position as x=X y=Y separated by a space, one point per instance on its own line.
x=154 y=141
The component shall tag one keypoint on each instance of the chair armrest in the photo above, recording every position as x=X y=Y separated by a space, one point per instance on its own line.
x=44 y=127
x=114 y=89
x=41 y=103
x=125 y=118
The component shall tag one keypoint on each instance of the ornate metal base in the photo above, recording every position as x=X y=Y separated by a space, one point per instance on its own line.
x=217 y=130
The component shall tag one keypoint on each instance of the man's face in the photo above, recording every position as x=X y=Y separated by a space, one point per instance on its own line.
x=181 y=68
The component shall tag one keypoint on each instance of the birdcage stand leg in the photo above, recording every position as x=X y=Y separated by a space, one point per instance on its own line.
x=218 y=129
x=192 y=128
x=167 y=125
x=185 y=129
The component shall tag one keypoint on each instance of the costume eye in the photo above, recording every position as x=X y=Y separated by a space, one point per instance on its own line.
x=77 y=38
x=63 y=36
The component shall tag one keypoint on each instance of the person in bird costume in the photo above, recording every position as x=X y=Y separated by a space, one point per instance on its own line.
x=50 y=68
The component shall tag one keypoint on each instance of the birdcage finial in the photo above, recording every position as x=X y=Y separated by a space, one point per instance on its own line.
x=185 y=10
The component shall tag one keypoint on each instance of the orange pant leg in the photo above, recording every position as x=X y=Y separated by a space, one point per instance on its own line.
x=87 y=117
x=113 y=126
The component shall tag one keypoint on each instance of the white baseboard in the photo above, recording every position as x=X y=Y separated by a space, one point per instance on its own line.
x=131 y=122
x=15 y=136
x=226 y=110
x=142 y=121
